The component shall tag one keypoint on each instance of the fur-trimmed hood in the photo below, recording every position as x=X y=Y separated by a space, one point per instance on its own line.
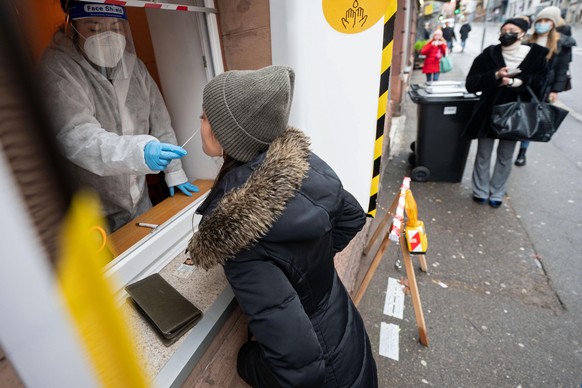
x=248 y=211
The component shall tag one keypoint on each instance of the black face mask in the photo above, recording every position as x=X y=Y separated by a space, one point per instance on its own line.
x=508 y=38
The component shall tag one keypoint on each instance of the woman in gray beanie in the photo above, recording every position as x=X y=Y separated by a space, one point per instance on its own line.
x=275 y=218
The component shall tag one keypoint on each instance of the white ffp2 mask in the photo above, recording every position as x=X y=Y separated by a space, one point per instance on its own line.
x=105 y=49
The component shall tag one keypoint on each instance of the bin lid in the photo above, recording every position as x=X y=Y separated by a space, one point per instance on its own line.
x=450 y=88
x=444 y=83
x=440 y=93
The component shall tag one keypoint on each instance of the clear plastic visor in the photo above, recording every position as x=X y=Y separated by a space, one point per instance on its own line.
x=105 y=42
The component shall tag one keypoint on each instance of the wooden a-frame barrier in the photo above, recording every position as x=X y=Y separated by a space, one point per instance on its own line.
x=396 y=233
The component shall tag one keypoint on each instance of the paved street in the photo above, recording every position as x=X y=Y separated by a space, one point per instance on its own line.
x=502 y=299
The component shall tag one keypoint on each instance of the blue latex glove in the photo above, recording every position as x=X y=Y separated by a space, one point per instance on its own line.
x=187 y=188
x=158 y=155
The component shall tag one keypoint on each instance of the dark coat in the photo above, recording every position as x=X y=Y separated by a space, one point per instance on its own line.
x=559 y=64
x=481 y=78
x=449 y=34
x=464 y=31
x=433 y=55
x=275 y=223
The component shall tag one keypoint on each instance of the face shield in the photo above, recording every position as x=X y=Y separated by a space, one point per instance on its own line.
x=101 y=32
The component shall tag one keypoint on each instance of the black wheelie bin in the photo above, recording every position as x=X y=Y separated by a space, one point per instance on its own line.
x=440 y=151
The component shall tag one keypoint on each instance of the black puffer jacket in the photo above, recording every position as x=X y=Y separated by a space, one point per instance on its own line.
x=559 y=64
x=275 y=224
x=481 y=78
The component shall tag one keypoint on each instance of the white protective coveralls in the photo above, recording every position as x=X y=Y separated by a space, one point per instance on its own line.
x=103 y=126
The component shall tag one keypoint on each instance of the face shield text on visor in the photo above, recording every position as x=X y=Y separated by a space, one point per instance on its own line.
x=101 y=32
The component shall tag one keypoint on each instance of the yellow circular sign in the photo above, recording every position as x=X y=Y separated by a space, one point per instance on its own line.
x=353 y=16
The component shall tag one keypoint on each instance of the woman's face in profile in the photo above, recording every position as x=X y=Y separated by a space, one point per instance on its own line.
x=210 y=144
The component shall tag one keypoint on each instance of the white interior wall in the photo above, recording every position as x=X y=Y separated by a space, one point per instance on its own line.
x=179 y=57
x=336 y=87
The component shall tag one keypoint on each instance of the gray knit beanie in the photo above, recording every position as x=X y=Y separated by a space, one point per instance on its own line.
x=552 y=13
x=248 y=109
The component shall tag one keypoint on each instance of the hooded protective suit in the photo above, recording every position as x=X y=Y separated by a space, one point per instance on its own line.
x=103 y=125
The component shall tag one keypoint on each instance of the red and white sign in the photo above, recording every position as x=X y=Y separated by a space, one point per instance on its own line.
x=399 y=217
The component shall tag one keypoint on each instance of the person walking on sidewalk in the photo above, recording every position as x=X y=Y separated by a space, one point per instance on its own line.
x=433 y=50
x=546 y=33
x=449 y=35
x=489 y=74
x=464 y=32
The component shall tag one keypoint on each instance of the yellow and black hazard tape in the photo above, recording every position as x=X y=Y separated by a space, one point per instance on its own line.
x=387 y=44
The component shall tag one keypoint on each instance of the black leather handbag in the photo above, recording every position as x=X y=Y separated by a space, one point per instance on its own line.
x=526 y=120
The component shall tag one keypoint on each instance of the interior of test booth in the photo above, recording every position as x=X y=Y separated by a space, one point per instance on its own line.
x=176 y=48
x=172 y=45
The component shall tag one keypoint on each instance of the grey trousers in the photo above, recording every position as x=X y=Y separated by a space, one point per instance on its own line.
x=493 y=186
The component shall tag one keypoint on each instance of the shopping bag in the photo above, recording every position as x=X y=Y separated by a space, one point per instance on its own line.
x=446 y=64
x=521 y=120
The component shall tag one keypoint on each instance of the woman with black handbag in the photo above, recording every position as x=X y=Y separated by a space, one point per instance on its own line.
x=501 y=73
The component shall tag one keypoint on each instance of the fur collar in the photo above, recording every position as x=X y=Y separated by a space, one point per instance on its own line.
x=247 y=213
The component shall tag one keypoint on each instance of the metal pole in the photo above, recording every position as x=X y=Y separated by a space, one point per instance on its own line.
x=487 y=14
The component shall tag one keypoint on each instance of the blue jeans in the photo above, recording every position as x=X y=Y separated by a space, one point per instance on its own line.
x=432 y=77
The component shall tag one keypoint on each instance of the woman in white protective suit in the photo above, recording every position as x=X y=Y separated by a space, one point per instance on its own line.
x=110 y=117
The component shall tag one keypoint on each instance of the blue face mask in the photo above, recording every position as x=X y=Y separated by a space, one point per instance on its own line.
x=542 y=28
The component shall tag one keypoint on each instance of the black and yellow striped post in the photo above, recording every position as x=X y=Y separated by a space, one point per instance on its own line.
x=353 y=17
x=387 y=44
